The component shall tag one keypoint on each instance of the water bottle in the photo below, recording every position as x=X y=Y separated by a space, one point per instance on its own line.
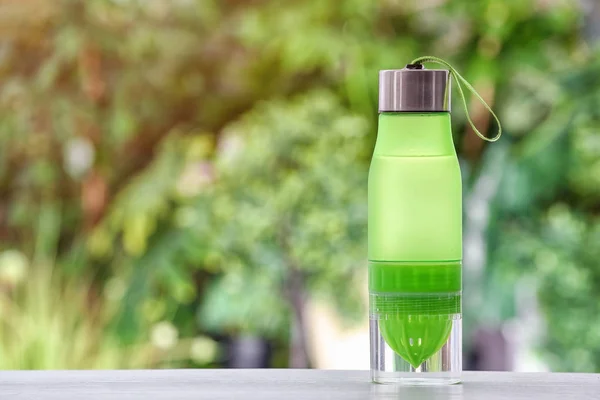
x=415 y=230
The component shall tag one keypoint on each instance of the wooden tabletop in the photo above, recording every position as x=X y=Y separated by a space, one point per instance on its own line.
x=284 y=385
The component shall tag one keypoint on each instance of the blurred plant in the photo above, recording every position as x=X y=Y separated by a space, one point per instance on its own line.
x=285 y=217
x=549 y=208
x=50 y=322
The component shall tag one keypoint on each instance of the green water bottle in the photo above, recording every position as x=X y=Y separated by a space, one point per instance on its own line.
x=415 y=230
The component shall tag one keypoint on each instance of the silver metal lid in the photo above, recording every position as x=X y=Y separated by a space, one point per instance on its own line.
x=414 y=89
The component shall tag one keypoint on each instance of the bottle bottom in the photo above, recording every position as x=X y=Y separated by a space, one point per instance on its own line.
x=409 y=379
x=416 y=349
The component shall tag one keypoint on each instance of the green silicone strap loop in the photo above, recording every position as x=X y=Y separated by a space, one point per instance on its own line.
x=460 y=81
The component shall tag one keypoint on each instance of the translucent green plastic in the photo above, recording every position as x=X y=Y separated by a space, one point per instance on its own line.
x=415 y=195
x=415 y=232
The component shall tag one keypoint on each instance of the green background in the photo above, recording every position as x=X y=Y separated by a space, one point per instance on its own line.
x=173 y=172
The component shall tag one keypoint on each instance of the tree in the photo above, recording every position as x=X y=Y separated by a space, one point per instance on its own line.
x=286 y=217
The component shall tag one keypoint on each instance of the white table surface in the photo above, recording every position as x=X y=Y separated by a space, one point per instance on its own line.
x=284 y=385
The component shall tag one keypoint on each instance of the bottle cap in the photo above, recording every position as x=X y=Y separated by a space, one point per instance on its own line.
x=414 y=89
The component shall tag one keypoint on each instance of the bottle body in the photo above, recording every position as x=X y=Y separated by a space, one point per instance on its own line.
x=415 y=250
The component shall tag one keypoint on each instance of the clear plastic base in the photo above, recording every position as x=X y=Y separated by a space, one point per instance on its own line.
x=444 y=367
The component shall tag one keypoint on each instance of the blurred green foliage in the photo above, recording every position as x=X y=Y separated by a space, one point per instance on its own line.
x=50 y=321
x=550 y=230
x=286 y=216
x=208 y=158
